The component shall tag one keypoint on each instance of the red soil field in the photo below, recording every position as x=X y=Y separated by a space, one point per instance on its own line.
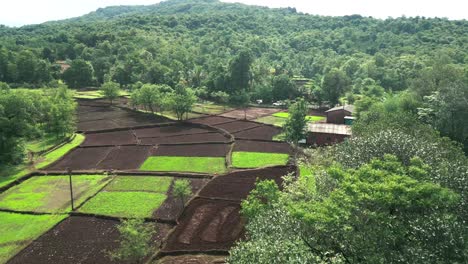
x=262 y=132
x=195 y=150
x=194 y=138
x=252 y=113
x=96 y=125
x=78 y=240
x=206 y=225
x=125 y=158
x=123 y=137
x=237 y=126
x=165 y=131
x=237 y=185
x=262 y=146
x=81 y=159
x=102 y=113
x=172 y=206
x=212 y=120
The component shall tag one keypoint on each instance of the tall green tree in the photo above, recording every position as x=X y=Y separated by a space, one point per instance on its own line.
x=240 y=70
x=181 y=101
x=295 y=127
x=110 y=91
x=334 y=84
x=79 y=75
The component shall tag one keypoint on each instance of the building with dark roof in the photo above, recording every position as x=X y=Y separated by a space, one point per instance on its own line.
x=336 y=115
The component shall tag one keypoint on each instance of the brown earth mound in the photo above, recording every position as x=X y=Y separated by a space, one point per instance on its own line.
x=125 y=158
x=237 y=126
x=192 y=259
x=124 y=137
x=206 y=225
x=79 y=240
x=81 y=159
x=194 y=138
x=262 y=146
x=262 y=132
x=237 y=185
x=172 y=206
x=166 y=131
x=212 y=120
x=195 y=150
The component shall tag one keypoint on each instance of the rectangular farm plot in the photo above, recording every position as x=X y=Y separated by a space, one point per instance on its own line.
x=262 y=146
x=124 y=204
x=124 y=137
x=211 y=165
x=261 y=132
x=18 y=230
x=194 y=138
x=129 y=196
x=242 y=159
x=51 y=194
x=79 y=239
x=206 y=225
x=165 y=131
x=237 y=126
x=237 y=185
x=250 y=113
x=212 y=120
x=82 y=159
x=125 y=158
x=193 y=150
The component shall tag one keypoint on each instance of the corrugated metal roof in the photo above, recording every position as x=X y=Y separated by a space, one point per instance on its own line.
x=349 y=108
x=328 y=128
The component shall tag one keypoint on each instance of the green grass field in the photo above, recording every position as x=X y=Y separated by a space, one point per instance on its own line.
x=307 y=177
x=140 y=183
x=210 y=108
x=43 y=144
x=51 y=193
x=242 y=159
x=124 y=204
x=185 y=164
x=272 y=120
x=18 y=230
x=309 y=118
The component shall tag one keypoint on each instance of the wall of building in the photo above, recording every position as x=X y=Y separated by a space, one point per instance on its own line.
x=337 y=117
x=324 y=139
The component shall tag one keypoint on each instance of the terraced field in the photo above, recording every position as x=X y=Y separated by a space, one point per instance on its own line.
x=126 y=168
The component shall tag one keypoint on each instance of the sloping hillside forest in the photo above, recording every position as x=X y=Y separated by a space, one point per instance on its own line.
x=395 y=192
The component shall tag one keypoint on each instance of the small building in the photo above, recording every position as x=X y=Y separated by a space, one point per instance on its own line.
x=336 y=115
x=323 y=134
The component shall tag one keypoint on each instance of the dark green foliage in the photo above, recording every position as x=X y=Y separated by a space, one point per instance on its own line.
x=80 y=74
x=110 y=90
x=283 y=88
x=181 y=101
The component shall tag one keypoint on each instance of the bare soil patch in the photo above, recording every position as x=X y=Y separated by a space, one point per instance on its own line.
x=96 y=125
x=125 y=158
x=236 y=126
x=262 y=146
x=252 y=113
x=166 y=131
x=212 y=120
x=261 y=132
x=172 y=206
x=81 y=159
x=194 y=138
x=124 y=137
x=78 y=240
x=195 y=150
x=237 y=185
x=206 y=225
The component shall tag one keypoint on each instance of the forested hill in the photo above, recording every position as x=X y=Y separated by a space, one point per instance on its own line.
x=196 y=40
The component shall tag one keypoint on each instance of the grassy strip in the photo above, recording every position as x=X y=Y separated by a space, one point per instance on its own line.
x=43 y=144
x=242 y=159
x=51 y=193
x=54 y=155
x=140 y=183
x=306 y=176
x=18 y=230
x=124 y=204
x=272 y=120
x=211 y=109
x=185 y=164
x=11 y=173
x=308 y=118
